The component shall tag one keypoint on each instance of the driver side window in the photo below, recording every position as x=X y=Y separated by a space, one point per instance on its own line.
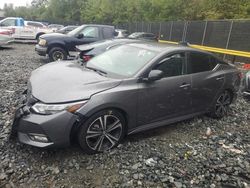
x=90 y=32
x=172 y=65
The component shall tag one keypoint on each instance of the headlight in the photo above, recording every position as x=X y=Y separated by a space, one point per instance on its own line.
x=48 y=109
x=42 y=42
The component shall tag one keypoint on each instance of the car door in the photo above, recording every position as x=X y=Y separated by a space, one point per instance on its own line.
x=168 y=97
x=206 y=80
x=90 y=34
x=28 y=32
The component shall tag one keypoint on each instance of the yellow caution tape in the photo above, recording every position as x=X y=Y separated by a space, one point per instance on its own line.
x=216 y=50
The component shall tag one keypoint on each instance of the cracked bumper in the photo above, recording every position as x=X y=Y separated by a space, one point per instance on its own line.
x=43 y=131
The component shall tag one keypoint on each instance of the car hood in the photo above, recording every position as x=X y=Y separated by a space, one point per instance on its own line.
x=67 y=81
x=55 y=36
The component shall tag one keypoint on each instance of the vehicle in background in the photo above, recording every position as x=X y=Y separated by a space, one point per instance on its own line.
x=121 y=33
x=246 y=85
x=35 y=24
x=55 y=27
x=67 y=29
x=88 y=51
x=127 y=89
x=5 y=37
x=59 y=46
x=143 y=35
x=22 y=31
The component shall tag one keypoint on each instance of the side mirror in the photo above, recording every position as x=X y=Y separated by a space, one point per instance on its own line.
x=154 y=75
x=80 y=36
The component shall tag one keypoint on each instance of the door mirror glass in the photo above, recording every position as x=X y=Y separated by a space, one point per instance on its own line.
x=155 y=75
x=80 y=36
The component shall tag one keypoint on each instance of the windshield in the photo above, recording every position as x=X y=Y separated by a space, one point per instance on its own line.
x=122 y=61
x=75 y=31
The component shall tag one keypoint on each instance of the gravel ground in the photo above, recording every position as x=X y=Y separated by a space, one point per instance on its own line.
x=200 y=152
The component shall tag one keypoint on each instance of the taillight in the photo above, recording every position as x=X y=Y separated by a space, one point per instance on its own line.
x=5 y=32
x=246 y=66
x=86 y=58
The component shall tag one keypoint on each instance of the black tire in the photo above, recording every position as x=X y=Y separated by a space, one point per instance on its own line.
x=57 y=53
x=94 y=137
x=221 y=105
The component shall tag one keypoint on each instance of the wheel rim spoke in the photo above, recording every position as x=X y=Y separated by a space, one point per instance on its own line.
x=91 y=134
x=105 y=122
x=101 y=122
x=114 y=126
x=111 y=139
x=98 y=143
x=224 y=110
x=227 y=100
x=218 y=111
x=223 y=97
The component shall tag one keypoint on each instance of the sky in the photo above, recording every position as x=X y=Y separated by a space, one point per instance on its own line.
x=16 y=3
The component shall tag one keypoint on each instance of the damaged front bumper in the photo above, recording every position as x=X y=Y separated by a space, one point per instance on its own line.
x=43 y=131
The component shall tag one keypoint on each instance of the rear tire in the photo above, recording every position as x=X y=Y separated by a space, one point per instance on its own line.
x=221 y=106
x=57 y=53
x=102 y=131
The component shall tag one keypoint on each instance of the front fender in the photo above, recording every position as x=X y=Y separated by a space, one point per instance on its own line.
x=57 y=44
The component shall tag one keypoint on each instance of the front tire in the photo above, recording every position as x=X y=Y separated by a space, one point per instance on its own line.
x=221 y=106
x=57 y=53
x=102 y=131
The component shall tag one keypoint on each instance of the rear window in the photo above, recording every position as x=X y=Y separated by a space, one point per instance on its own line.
x=34 y=24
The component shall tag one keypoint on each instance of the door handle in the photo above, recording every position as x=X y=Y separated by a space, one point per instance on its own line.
x=220 y=78
x=184 y=85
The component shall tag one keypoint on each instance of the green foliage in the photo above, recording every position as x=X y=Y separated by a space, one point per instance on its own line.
x=122 y=11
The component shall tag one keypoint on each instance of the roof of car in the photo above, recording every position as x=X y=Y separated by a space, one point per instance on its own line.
x=98 y=25
x=106 y=42
x=163 y=47
x=140 y=33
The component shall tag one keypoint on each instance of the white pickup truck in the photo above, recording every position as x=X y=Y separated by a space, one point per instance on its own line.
x=22 y=30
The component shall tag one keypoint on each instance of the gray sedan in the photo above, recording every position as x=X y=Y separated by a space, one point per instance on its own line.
x=127 y=89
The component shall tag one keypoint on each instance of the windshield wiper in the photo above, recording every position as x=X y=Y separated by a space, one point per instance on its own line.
x=101 y=72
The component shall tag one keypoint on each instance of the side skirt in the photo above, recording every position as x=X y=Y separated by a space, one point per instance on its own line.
x=163 y=123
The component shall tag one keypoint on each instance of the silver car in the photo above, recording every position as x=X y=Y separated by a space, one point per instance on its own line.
x=127 y=89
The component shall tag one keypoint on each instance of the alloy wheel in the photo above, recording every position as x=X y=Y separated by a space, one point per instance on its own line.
x=57 y=55
x=104 y=133
x=222 y=104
